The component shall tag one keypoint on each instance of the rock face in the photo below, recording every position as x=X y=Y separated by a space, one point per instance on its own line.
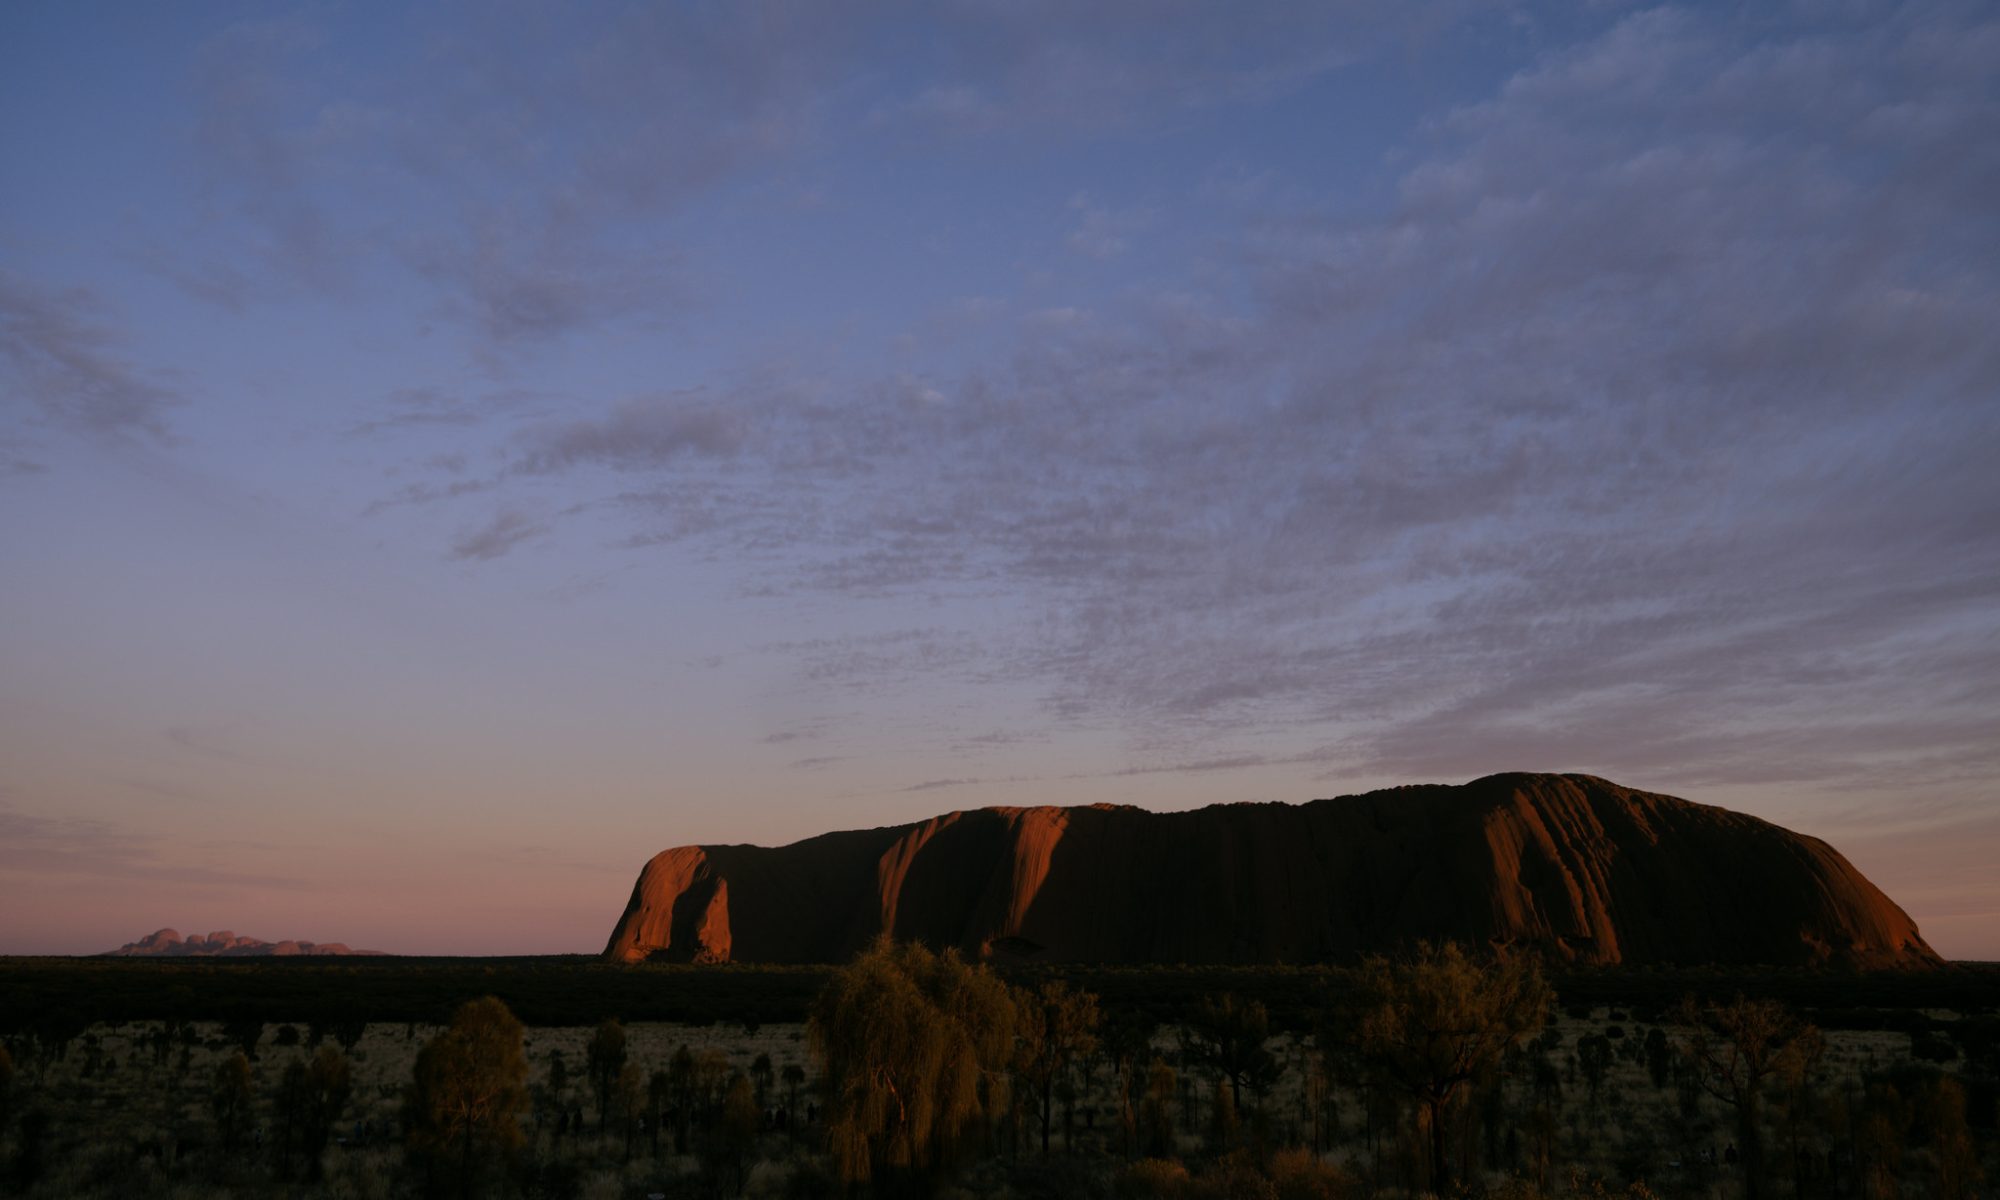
x=1579 y=867
x=168 y=943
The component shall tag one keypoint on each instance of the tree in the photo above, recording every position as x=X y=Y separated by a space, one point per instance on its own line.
x=915 y=1048
x=291 y=1104
x=1954 y=1156
x=680 y=1073
x=229 y=1097
x=761 y=1075
x=628 y=1096
x=349 y=1033
x=6 y=1086
x=1659 y=1057
x=329 y=1081
x=245 y=1032
x=658 y=1088
x=1057 y=1028
x=1128 y=1041
x=470 y=1089
x=794 y=1077
x=1227 y=1036
x=603 y=1061
x=1221 y=1118
x=1734 y=1050
x=1156 y=1110
x=1593 y=1058
x=736 y=1134
x=1424 y=1026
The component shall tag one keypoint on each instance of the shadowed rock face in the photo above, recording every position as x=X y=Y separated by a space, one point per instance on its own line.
x=1582 y=868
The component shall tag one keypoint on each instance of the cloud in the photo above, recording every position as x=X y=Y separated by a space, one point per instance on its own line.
x=64 y=368
x=266 y=136
x=1101 y=232
x=416 y=408
x=503 y=533
x=997 y=70
x=1643 y=427
x=38 y=845
x=642 y=432
x=525 y=280
x=530 y=164
x=933 y=785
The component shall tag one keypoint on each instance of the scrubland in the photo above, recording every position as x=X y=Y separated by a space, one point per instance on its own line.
x=1601 y=1100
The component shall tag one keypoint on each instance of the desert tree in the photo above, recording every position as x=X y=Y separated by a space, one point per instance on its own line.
x=1128 y=1042
x=1659 y=1057
x=681 y=1079
x=1593 y=1059
x=1156 y=1110
x=1057 y=1027
x=712 y=1073
x=290 y=1107
x=628 y=1097
x=1735 y=1051
x=1425 y=1025
x=603 y=1060
x=329 y=1081
x=728 y=1149
x=349 y=1032
x=229 y=1098
x=1221 y=1117
x=915 y=1049
x=794 y=1077
x=1226 y=1035
x=762 y=1073
x=245 y=1032
x=1879 y=1141
x=659 y=1094
x=1954 y=1158
x=470 y=1089
x=31 y=1147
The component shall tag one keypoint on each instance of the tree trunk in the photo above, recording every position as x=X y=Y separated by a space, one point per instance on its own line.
x=1750 y=1146
x=1440 y=1180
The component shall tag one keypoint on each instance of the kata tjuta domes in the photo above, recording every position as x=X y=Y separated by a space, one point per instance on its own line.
x=1577 y=866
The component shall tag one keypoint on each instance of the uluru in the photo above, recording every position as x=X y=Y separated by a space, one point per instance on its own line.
x=1577 y=867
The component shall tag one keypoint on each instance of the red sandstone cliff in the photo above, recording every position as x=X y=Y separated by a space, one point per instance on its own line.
x=1578 y=866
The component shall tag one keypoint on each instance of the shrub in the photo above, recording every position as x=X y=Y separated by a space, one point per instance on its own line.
x=1299 y=1174
x=1152 y=1179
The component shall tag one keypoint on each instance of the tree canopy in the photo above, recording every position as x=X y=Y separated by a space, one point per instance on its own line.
x=470 y=1088
x=916 y=1048
x=1426 y=1024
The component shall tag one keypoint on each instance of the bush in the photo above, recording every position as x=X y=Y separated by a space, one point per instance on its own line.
x=1054 y=1179
x=1298 y=1174
x=1233 y=1178
x=1932 y=1047
x=811 y=1179
x=1152 y=1179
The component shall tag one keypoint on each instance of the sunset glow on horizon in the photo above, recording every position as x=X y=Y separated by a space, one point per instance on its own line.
x=448 y=456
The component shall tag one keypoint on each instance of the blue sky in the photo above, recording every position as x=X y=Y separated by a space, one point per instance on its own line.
x=448 y=455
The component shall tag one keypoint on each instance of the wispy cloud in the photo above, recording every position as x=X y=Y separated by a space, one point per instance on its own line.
x=1606 y=442
x=64 y=366
x=39 y=845
x=507 y=530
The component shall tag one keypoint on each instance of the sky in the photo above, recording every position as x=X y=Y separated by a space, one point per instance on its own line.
x=449 y=453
